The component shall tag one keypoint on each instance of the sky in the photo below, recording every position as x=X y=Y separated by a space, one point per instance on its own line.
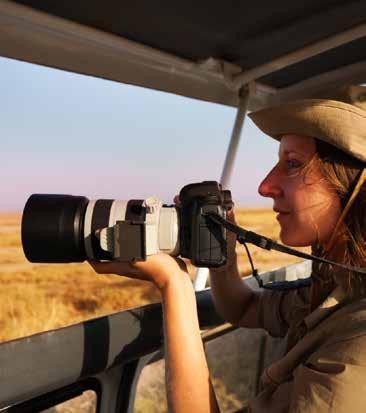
x=73 y=134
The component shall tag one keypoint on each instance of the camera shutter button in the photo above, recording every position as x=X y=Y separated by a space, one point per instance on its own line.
x=151 y=204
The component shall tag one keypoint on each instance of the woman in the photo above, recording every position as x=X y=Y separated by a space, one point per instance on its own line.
x=317 y=191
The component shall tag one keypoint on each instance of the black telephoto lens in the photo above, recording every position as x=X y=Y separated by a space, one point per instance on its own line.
x=53 y=228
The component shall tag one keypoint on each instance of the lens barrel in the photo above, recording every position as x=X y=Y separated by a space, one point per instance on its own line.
x=53 y=228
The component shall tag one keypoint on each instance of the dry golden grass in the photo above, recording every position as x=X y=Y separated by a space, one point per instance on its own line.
x=39 y=297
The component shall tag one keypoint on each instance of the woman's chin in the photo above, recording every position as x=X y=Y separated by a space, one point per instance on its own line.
x=293 y=239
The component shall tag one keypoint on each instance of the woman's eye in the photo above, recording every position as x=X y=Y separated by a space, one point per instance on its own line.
x=292 y=164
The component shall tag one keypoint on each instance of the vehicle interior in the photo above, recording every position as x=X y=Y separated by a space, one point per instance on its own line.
x=242 y=55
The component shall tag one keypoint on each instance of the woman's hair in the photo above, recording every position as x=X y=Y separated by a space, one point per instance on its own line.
x=342 y=172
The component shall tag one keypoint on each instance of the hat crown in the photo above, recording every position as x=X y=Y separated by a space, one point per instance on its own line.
x=353 y=95
x=337 y=117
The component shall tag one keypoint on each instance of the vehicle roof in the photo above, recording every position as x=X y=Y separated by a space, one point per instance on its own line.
x=206 y=50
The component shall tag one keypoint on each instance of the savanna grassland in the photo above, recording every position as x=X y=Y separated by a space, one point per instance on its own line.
x=39 y=297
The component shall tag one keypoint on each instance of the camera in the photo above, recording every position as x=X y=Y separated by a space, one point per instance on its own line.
x=67 y=228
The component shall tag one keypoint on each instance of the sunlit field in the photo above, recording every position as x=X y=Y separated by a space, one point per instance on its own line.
x=39 y=297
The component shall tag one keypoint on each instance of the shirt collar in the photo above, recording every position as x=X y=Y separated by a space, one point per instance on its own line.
x=328 y=306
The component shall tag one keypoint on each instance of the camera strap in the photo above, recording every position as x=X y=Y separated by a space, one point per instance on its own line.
x=243 y=236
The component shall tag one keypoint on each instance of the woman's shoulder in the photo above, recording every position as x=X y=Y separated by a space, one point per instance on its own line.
x=351 y=316
x=348 y=325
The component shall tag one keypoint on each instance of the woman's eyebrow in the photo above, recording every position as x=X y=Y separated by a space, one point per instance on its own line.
x=288 y=151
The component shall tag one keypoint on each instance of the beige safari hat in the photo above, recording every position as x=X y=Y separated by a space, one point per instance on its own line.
x=339 y=119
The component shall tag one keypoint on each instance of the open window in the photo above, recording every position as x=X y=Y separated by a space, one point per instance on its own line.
x=82 y=397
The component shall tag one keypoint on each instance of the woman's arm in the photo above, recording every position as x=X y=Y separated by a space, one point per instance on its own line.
x=234 y=300
x=189 y=388
x=188 y=382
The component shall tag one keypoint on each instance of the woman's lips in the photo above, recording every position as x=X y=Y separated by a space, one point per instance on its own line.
x=281 y=214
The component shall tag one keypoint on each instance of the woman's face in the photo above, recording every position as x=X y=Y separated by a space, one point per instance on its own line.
x=308 y=207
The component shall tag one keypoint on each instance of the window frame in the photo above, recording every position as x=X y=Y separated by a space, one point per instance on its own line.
x=55 y=397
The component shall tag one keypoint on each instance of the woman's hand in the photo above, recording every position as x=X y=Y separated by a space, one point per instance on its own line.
x=231 y=261
x=160 y=269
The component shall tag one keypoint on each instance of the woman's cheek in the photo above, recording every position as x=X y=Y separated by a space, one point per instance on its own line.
x=297 y=230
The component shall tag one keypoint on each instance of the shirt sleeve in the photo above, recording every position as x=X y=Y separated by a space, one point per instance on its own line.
x=278 y=310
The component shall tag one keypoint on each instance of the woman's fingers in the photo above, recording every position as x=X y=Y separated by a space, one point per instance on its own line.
x=231 y=215
x=114 y=267
x=125 y=269
x=157 y=268
x=160 y=263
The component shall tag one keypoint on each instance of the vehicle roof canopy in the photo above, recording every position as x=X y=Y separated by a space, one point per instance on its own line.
x=207 y=50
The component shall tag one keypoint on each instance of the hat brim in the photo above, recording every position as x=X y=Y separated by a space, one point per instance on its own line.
x=340 y=124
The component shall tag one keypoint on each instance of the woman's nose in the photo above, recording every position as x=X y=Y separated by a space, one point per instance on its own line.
x=269 y=187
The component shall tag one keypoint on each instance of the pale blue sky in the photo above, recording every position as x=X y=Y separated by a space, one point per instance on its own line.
x=68 y=133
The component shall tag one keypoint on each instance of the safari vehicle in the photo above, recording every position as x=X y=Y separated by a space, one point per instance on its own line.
x=240 y=54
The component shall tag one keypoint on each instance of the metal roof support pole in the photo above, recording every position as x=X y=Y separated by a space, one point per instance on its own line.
x=202 y=274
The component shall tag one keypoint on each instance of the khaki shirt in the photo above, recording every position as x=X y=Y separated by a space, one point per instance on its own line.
x=324 y=369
